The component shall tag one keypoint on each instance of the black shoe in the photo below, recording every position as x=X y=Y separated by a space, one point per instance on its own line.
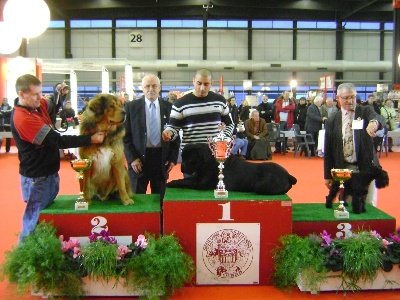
x=390 y=150
x=277 y=151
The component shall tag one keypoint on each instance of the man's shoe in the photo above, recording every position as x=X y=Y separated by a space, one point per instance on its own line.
x=390 y=150
x=277 y=151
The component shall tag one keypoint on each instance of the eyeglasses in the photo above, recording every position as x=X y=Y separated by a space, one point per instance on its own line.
x=348 y=97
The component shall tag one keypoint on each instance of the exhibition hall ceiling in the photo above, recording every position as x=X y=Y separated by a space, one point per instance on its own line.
x=329 y=10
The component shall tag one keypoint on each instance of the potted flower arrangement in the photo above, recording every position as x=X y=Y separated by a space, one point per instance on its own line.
x=353 y=262
x=154 y=266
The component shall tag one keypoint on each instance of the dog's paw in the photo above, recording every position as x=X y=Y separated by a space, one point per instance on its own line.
x=127 y=201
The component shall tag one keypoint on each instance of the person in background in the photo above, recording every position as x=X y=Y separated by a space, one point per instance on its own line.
x=257 y=134
x=389 y=113
x=348 y=136
x=56 y=102
x=233 y=109
x=38 y=147
x=67 y=115
x=265 y=109
x=198 y=113
x=300 y=113
x=375 y=104
x=328 y=108
x=172 y=98
x=150 y=159
x=284 y=115
x=314 y=121
x=5 y=121
x=244 y=114
x=240 y=141
x=85 y=104
x=126 y=98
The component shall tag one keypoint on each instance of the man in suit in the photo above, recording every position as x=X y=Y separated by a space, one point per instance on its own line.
x=328 y=108
x=353 y=148
x=314 y=121
x=149 y=158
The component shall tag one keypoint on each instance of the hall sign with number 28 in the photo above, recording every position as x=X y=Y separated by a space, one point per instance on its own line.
x=136 y=39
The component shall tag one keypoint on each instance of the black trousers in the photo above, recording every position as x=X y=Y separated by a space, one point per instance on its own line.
x=152 y=173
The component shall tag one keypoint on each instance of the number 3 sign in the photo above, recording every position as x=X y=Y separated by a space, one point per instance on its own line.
x=136 y=39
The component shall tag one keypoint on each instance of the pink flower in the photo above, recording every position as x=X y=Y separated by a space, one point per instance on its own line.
x=375 y=234
x=395 y=238
x=77 y=252
x=122 y=251
x=326 y=237
x=141 y=241
x=385 y=243
x=72 y=243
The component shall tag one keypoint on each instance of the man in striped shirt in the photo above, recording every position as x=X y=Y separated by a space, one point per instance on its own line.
x=198 y=113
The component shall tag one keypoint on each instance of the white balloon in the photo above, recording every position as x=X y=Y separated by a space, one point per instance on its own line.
x=29 y=17
x=10 y=39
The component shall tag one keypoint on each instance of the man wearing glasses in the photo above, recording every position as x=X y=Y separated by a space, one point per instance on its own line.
x=348 y=136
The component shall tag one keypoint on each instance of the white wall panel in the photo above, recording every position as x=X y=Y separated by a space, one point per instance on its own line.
x=91 y=43
x=388 y=52
x=227 y=45
x=272 y=45
x=51 y=44
x=314 y=46
x=359 y=46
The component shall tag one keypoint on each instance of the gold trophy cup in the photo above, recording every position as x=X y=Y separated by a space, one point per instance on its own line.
x=80 y=166
x=220 y=147
x=341 y=175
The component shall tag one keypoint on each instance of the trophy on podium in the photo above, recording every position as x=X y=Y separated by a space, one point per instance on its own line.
x=341 y=175
x=80 y=166
x=220 y=147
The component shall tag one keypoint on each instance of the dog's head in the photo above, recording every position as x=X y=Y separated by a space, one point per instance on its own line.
x=104 y=113
x=196 y=158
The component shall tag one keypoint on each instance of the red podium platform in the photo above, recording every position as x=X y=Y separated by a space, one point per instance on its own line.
x=230 y=239
x=315 y=218
x=111 y=215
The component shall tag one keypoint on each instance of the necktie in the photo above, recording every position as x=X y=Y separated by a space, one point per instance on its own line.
x=155 y=135
x=348 y=147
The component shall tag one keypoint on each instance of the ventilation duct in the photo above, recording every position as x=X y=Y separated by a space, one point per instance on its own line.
x=118 y=65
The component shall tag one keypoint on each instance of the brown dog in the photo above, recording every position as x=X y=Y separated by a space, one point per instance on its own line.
x=108 y=173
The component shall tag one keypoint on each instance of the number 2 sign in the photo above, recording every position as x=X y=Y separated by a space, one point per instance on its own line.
x=136 y=39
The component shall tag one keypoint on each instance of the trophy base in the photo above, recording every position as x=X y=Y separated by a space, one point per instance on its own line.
x=220 y=194
x=80 y=205
x=341 y=214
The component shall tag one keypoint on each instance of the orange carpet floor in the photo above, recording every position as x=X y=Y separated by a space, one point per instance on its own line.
x=309 y=189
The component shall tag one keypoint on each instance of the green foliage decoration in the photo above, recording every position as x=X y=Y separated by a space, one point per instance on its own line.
x=39 y=263
x=357 y=257
x=161 y=269
x=154 y=267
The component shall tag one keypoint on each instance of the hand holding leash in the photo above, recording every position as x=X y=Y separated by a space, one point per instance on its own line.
x=98 y=137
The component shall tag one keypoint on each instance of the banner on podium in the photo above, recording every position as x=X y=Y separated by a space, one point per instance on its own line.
x=227 y=253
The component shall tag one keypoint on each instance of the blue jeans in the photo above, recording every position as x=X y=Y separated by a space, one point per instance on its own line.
x=37 y=193
x=240 y=144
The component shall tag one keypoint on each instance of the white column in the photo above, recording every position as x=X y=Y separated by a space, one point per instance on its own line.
x=105 y=81
x=73 y=84
x=129 y=81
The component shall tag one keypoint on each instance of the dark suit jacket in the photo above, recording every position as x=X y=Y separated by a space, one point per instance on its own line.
x=364 y=148
x=136 y=136
x=313 y=119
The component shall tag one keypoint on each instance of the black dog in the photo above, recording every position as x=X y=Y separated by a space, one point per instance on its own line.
x=357 y=187
x=239 y=175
